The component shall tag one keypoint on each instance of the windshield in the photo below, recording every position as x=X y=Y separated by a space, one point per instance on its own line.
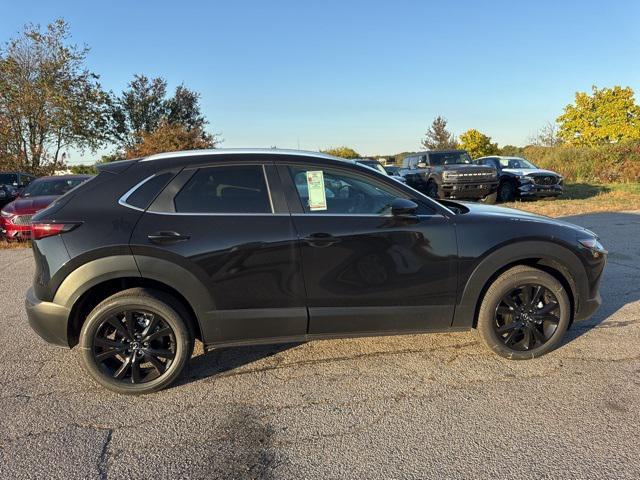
x=449 y=158
x=8 y=178
x=373 y=164
x=54 y=186
x=516 y=163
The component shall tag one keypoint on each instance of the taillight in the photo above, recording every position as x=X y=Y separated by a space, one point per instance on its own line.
x=42 y=230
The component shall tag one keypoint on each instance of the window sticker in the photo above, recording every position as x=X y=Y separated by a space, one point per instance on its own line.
x=315 y=185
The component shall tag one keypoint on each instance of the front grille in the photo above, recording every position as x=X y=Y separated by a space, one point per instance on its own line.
x=545 y=180
x=22 y=220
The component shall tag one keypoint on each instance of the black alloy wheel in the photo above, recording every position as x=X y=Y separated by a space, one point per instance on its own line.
x=134 y=346
x=524 y=313
x=136 y=341
x=527 y=317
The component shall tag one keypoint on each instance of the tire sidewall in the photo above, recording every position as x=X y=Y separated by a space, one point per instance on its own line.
x=184 y=342
x=502 y=286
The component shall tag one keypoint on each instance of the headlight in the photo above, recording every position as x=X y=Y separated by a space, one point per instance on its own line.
x=6 y=214
x=450 y=175
x=525 y=179
x=594 y=245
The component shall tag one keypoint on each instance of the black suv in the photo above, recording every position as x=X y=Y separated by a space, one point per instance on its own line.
x=245 y=247
x=519 y=178
x=449 y=174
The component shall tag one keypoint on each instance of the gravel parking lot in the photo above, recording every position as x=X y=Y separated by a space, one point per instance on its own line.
x=420 y=406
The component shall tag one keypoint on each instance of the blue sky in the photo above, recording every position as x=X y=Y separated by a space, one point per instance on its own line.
x=368 y=74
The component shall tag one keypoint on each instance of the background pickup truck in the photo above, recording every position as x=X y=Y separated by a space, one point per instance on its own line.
x=449 y=174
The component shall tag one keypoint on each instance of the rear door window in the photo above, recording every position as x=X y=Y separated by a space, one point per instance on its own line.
x=225 y=189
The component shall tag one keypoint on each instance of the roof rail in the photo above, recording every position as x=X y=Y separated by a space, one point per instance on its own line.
x=238 y=151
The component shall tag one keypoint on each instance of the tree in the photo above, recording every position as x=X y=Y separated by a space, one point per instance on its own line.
x=342 y=152
x=608 y=115
x=477 y=144
x=170 y=137
x=143 y=112
x=49 y=101
x=547 y=136
x=512 y=151
x=438 y=137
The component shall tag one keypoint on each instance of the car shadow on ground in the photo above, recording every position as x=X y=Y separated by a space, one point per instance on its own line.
x=220 y=361
x=620 y=284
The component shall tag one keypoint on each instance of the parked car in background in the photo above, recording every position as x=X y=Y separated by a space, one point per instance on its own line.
x=519 y=178
x=367 y=162
x=227 y=246
x=8 y=193
x=16 y=179
x=15 y=217
x=449 y=174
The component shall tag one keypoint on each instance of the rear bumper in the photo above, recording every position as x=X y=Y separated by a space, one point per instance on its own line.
x=47 y=319
x=15 y=232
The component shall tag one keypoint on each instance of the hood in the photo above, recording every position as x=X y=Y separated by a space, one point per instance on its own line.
x=529 y=171
x=29 y=205
x=519 y=215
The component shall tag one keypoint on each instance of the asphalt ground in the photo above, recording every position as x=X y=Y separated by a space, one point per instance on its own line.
x=421 y=406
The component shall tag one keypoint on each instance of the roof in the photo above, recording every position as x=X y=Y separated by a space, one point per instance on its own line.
x=453 y=150
x=241 y=151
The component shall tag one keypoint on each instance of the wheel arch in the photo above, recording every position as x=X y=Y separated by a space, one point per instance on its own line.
x=94 y=281
x=550 y=257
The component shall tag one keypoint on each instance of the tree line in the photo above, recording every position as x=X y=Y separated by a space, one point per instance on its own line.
x=50 y=103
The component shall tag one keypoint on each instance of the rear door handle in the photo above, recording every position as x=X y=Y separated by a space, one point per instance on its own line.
x=161 y=238
x=321 y=240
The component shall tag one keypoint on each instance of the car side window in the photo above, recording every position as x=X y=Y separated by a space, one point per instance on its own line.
x=225 y=189
x=334 y=191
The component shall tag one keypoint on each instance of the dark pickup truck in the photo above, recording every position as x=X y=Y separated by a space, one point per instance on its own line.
x=449 y=174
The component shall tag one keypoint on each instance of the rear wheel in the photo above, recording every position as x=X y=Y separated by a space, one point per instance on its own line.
x=524 y=313
x=135 y=342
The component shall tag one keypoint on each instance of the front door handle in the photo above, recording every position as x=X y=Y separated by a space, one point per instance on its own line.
x=161 y=238
x=321 y=240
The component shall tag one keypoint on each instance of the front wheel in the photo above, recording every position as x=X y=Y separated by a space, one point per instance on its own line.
x=135 y=342
x=524 y=313
x=506 y=191
x=432 y=189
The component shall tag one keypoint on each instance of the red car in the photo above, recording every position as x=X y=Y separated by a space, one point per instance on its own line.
x=16 y=216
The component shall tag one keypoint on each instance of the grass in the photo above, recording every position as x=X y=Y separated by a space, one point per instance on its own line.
x=579 y=198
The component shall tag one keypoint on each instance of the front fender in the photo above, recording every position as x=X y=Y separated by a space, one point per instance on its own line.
x=549 y=253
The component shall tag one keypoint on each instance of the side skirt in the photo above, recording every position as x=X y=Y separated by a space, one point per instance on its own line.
x=309 y=338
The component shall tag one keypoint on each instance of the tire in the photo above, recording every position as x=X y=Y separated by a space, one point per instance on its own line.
x=504 y=329
x=432 y=189
x=490 y=199
x=506 y=191
x=143 y=366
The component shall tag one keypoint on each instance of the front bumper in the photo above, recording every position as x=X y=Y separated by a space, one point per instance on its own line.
x=531 y=190
x=468 y=190
x=588 y=307
x=47 y=319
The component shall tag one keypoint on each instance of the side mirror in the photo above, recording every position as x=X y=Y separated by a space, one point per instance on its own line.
x=401 y=207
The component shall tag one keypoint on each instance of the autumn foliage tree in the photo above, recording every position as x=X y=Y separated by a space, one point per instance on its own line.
x=170 y=137
x=342 y=152
x=438 y=137
x=146 y=121
x=49 y=101
x=477 y=144
x=608 y=115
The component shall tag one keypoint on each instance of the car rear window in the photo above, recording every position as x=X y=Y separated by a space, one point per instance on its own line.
x=145 y=193
x=225 y=189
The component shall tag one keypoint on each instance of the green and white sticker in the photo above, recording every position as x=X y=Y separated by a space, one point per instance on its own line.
x=315 y=185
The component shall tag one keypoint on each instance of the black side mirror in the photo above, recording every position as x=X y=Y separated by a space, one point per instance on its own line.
x=402 y=207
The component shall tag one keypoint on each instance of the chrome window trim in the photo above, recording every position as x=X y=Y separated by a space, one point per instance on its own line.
x=266 y=182
x=207 y=214
x=123 y=199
